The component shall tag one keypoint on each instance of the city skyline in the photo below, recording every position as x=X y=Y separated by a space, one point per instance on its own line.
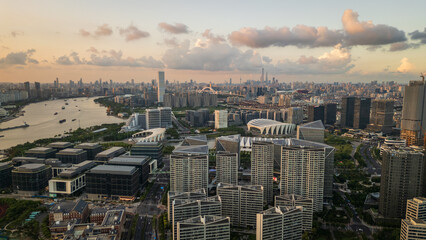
x=211 y=42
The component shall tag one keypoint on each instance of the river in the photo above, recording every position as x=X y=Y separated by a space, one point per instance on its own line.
x=45 y=124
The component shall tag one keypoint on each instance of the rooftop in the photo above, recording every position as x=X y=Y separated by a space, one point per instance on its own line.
x=88 y=145
x=110 y=151
x=60 y=145
x=41 y=150
x=31 y=167
x=315 y=125
x=73 y=151
x=194 y=149
x=113 y=169
x=129 y=160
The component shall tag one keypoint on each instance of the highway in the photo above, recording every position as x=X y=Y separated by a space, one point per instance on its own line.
x=373 y=167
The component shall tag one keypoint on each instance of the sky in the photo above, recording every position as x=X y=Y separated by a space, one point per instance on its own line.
x=212 y=41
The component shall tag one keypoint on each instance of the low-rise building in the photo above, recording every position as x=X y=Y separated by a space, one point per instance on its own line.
x=70 y=180
x=41 y=152
x=72 y=155
x=5 y=175
x=91 y=148
x=31 y=178
x=141 y=162
x=68 y=211
x=109 y=154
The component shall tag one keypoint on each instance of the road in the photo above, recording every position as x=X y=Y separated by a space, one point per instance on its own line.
x=356 y=224
x=373 y=167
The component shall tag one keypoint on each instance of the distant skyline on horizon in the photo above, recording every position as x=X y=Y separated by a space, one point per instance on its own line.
x=212 y=41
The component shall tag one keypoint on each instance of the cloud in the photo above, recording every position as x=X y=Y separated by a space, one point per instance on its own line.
x=133 y=33
x=177 y=28
x=405 y=66
x=266 y=59
x=211 y=57
x=16 y=33
x=109 y=58
x=93 y=50
x=336 y=61
x=300 y=36
x=101 y=31
x=400 y=46
x=416 y=35
x=19 y=58
x=171 y=42
x=367 y=33
x=211 y=37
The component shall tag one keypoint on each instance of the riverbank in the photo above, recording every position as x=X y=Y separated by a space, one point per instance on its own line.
x=54 y=118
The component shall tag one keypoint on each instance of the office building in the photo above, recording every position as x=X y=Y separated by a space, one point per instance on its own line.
x=5 y=175
x=166 y=117
x=292 y=200
x=413 y=229
x=161 y=86
x=413 y=121
x=183 y=209
x=197 y=118
x=262 y=168
x=41 y=152
x=198 y=194
x=348 y=112
x=70 y=180
x=316 y=113
x=189 y=167
x=280 y=223
x=330 y=113
x=293 y=115
x=381 y=119
x=140 y=162
x=205 y=227
x=220 y=119
x=312 y=131
x=91 y=148
x=151 y=149
x=153 y=118
x=302 y=173
x=31 y=178
x=110 y=181
x=241 y=203
x=109 y=154
x=362 y=112
x=71 y=155
x=227 y=167
x=402 y=178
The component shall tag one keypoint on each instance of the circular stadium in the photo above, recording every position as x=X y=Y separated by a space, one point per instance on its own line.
x=270 y=127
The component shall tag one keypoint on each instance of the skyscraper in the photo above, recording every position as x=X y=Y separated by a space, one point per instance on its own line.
x=362 y=112
x=189 y=166
x=381 y=115
x=413 y=122
x=27 y=88
x=355 y=112
x=165 y=117
x=230 y=144
x=316 y=113
x=241 y=203
x=330 y=113
x=280 y=223
x=161 y=86
x=402 y=178
x=227 y=167
x=302 y=173
x=220 y=119
x=262 y=167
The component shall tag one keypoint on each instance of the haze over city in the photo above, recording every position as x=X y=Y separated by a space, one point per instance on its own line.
x=212 y=41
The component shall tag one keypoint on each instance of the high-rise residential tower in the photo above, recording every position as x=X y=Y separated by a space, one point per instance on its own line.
x=280 y=223
x=292 y=200
x=241 y=203
x=189 y=168
x=402 y=178
x=262 y=167
x=227 y=167
x=302 y=173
